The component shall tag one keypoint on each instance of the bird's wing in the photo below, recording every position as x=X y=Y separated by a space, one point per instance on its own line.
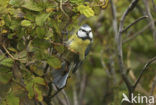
x=88 y=49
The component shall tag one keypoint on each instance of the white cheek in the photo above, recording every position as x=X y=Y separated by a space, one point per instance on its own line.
x=91 y=35
x=81 y=34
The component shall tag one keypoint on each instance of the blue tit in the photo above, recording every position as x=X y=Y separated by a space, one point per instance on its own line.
x=80 y=44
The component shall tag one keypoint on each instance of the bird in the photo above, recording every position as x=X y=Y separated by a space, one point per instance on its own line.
x=79 y=44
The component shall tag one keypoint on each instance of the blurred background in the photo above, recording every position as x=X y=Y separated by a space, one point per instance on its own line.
x=28 y=26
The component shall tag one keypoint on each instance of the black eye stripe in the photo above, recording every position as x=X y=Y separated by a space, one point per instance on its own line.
x=83 y=30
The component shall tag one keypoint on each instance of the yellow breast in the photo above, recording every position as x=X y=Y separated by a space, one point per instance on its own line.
x=79 y=45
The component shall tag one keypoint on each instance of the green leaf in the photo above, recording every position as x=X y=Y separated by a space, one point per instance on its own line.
x=26 y=23
x=76 y=1
x=41 y=19
x=12 y=99
x=85 y=10
x=40 y=32
x=59 y=48
x=5 y=77
x=2 y=23
x=32 y=6
x=2 y=57
x=54 y=62
x=14 y=25
x=15 y=2
x=29 y=87
x=38 y=93
x=8 y=62
x=39 y=80
x=21 y=55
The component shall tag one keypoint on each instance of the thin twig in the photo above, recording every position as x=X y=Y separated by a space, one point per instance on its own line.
x=133 y=23
x=66 y=97
x=8 y=52
x=153 y=86
x=12 y=57
x=75 y=98
x=148 y=12
x=56 y=93
x=154 y=5
x=103 y=63
x=137 y=33
x=56 y=43
x=47 y=99
x=143 y=70
x=103 y=5
x=83 y=85
x=115 y=26
x=63 y=10
x=21 y=85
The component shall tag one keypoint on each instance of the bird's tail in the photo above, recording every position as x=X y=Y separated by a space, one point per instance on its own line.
x=60 y=76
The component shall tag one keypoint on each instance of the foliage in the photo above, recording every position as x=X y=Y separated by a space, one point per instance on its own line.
x=32 y=36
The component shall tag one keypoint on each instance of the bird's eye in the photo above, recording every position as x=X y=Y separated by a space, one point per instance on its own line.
x=83 y=30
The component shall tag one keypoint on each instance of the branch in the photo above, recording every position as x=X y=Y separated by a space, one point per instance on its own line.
x=119 y=45
x=137 y=33
x=66 y=97
x=115 y=26
x=154 y=6
x=148 y=12
x=47 y=99
x=153 y=86
x=83 y=85
x=75 y=98
x=61 y=1
x=143 y=70
x=58 y=90
x=103 y=63
x=12 y=57
x=137 y=20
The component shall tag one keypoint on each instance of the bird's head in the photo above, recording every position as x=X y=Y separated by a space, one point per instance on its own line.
x=85 y=32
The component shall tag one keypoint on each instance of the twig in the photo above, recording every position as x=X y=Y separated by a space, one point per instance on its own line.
x=31 y=71
x=103 y=5
x=47 y=99
x=148 y=12
x=8 y=52
x=137 y=20
x=20 y=84
x=154 y=6
x=153 y=86
x=55 y=43
x=83 y=85
x=63 y=10
x=139 y=87
x=115 y=26
x=12 y=57
x=75 y=98
x=119 y=46
x=56 y=93
x=103 y=63
x=143 y=70
x=137 y=33
x=66 y=97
